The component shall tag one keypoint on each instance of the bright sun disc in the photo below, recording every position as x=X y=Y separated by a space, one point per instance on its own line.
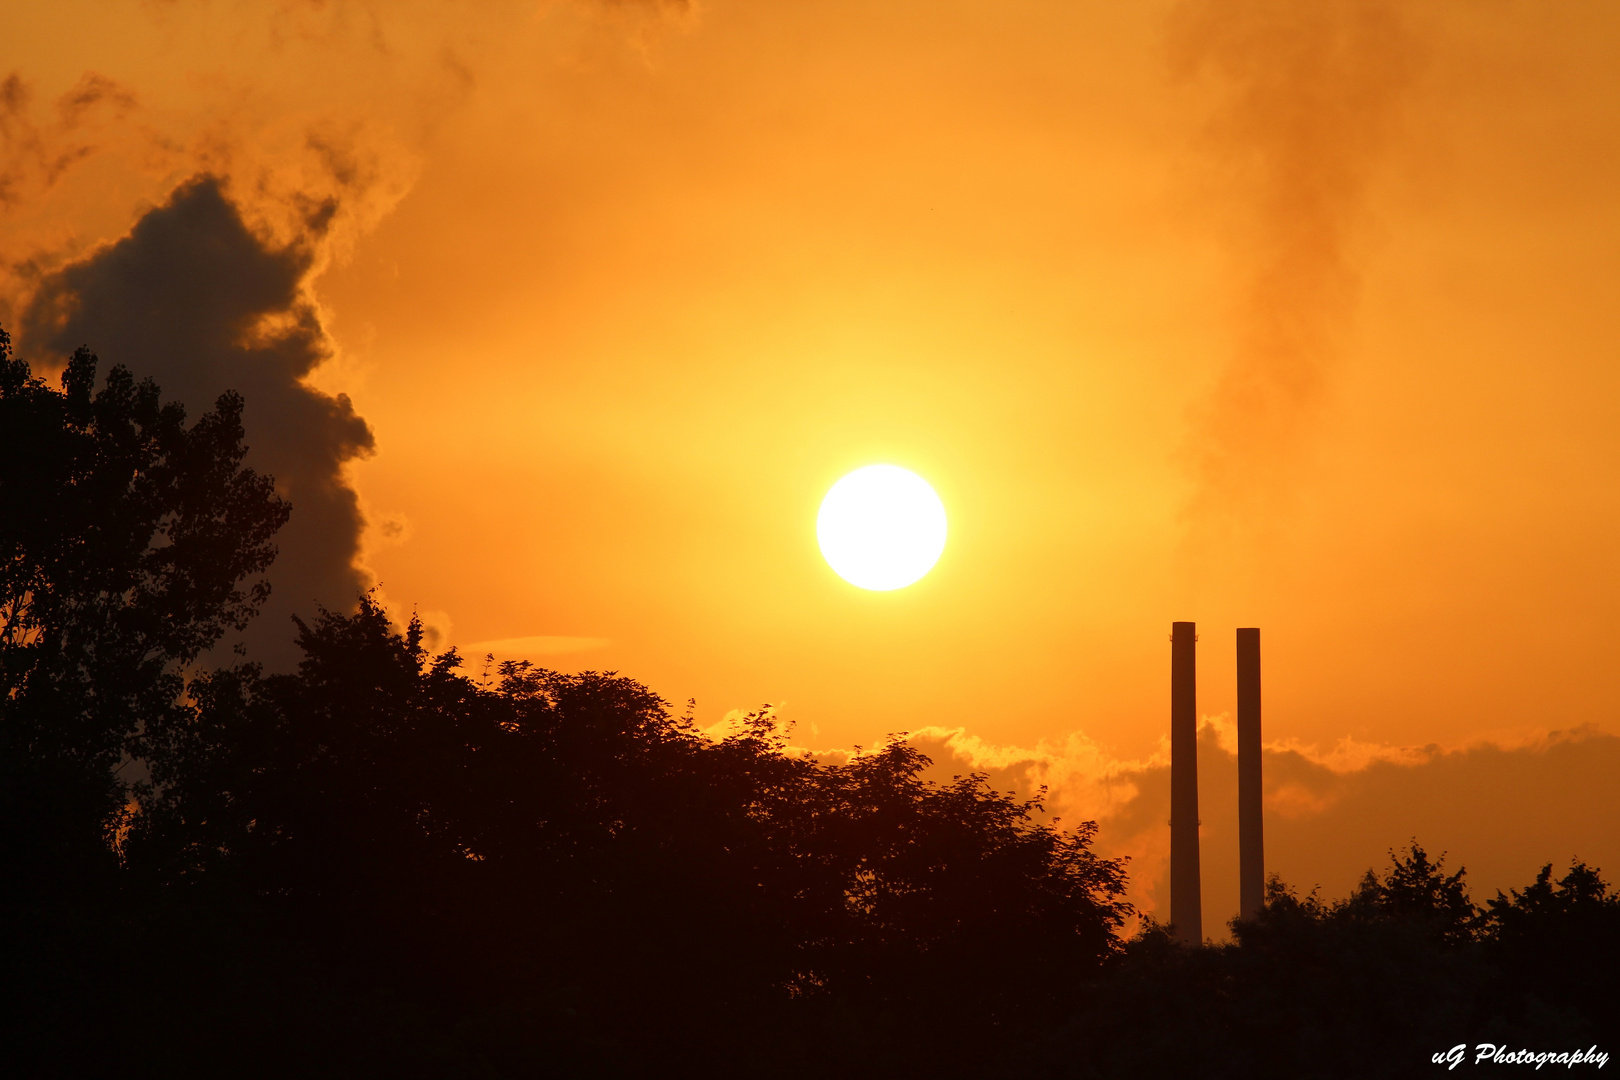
x=881 y=527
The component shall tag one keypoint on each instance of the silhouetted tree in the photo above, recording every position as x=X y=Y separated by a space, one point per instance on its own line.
x=125 y=537
x=566 y=830
x=1556 y=945
x=1371 y=985
x=1417 y=890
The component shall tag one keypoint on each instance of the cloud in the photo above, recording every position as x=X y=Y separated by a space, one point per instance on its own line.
x=1305 y=98
x=202 y=304
x=741 y=721
x=1330 y=812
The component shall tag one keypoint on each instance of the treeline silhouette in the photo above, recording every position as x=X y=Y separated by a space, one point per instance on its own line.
x=382 y=865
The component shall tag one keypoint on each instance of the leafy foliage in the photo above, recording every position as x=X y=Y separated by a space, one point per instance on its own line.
x=567 y=828
x=1368 y=986
x=124 y=539
x=1558 y=939
x=1419 y=891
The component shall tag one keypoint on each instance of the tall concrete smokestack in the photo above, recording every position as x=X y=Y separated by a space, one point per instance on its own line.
x=1251 y=837
x=1186 y=905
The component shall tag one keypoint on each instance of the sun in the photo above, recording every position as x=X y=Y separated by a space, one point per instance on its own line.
x=881 y=527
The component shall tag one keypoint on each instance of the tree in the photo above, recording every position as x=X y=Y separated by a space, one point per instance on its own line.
x=1558 y=941
x=563 y=834
x=125 y=540
x=1418 y=890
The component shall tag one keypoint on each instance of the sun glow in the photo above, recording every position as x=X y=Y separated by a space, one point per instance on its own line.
x=881 y=527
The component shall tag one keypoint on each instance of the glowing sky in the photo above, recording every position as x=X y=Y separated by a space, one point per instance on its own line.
x=1298 y=316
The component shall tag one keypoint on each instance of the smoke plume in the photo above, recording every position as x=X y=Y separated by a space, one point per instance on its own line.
x=1304 y=99
x=196 y=300
x=34 y=154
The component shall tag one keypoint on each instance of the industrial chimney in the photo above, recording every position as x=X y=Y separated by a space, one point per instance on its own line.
x=1251 y=839
x=1186 y=906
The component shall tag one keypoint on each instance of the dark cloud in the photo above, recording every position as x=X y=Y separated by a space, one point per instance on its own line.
x=1329 y=816
x=1548 y=801
x=192 y=298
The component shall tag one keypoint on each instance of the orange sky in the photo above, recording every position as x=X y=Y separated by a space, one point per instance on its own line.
x=1254 y=314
